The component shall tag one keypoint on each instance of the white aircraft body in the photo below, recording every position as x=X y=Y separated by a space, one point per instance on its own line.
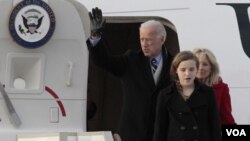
x=47 y=82
x=220 y=25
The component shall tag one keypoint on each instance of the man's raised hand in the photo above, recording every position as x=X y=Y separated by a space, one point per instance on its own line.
x=97 y=22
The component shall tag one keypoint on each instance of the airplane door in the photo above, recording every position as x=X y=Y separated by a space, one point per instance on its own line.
x=43 y=65
x=104 y=90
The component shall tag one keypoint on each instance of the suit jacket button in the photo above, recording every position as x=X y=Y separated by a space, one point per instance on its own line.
x=182 y=127
x=195 y=127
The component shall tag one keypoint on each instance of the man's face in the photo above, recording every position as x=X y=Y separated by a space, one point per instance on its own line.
x=151 y=42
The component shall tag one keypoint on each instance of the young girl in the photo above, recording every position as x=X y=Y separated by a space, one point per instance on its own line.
x=186 y=110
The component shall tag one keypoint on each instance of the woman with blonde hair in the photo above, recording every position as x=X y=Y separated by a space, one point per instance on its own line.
x=209 y=74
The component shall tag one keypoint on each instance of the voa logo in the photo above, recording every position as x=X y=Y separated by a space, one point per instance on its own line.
x=236 y=132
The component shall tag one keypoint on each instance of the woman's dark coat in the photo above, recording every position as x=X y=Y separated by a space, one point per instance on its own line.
x=139 y=89
x=196 y=119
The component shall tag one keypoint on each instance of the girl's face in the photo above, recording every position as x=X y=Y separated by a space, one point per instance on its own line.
x=187 y=71
x=204 y=68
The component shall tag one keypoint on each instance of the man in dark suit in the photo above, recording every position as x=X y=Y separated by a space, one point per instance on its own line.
x=142 y=73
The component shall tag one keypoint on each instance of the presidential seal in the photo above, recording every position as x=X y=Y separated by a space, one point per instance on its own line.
x=32 y=23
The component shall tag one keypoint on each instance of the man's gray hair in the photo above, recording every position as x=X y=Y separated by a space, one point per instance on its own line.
x=158 y=25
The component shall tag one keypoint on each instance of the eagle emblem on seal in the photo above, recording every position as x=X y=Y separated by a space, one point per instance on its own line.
x=32 y=20
x=32 y=23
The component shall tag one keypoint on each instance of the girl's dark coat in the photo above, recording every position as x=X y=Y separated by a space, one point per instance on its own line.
x=196 y=119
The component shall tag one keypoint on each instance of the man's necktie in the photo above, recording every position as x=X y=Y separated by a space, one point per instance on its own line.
x=153 y=63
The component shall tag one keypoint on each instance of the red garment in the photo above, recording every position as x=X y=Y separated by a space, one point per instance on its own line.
x=224 y=103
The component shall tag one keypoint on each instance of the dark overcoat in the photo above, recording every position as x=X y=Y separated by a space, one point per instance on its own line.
x=139 y=89
x=196 y=119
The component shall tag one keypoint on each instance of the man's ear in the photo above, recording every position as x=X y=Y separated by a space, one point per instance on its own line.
x=162 y=40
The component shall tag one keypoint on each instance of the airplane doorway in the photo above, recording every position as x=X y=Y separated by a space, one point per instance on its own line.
x=104 y=90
